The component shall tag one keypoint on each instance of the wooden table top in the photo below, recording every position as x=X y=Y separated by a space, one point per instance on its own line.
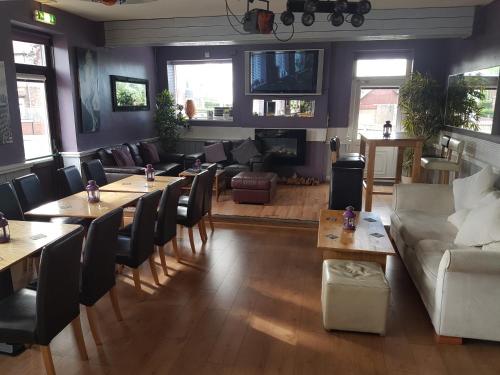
x=28 y=237
x=77 y=205
x=189 y=173
x=369 y=237
x=138 y=184
x=397 y=137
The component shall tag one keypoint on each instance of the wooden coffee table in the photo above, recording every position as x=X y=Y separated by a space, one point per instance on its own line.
x=219 y=180
x=369 y=242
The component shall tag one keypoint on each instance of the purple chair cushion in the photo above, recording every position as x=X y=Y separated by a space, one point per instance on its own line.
x=122 y=157
x=215 y=153
x=150 y=153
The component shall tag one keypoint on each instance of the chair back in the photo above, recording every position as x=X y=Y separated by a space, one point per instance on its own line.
x=455 y=150
x=196 y=197
x=335 y=148
x=71 y=180
x=207 y=199
x=93 y=170
x=143 y=227
x=445 y=140
x=58 y=289
x=29 y=191
x=98 y=266
x=166 y=225
x=9 y=204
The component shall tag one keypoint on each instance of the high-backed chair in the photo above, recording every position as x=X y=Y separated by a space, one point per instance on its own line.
x=93 y=170
x=450 y=159
x=70 y=180
x=136 y=248
x=9 y=203
x=36 y=317
x=192 y=214
x=166 y=224
x=98 y=266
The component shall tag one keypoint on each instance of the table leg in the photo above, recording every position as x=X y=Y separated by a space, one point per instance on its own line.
x=399 y=164
x=417 y=155
x=370 y=177
x=362 y=147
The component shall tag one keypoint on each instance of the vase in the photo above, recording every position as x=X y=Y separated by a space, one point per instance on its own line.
x=190 y=108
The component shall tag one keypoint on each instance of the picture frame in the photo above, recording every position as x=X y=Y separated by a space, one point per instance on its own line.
x=89 y=90
x=129 y=94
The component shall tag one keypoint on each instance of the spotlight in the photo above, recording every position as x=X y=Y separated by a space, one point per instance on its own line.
x=336 y=19
x=364 y=7
x=341 y=6
x=357 y=20
x=287 y=18
x=307 y=19
x=310 y=6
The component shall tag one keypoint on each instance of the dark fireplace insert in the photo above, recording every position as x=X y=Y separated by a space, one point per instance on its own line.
x=287 y=146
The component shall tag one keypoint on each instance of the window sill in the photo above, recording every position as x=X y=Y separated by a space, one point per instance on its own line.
x=211 y=120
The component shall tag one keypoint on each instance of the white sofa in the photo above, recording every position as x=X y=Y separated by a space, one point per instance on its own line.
x=460 y=287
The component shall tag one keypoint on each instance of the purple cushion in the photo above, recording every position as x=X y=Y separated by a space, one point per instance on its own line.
x=215 y=153
x=122 y=157
x=244 y=152
x=149 y=153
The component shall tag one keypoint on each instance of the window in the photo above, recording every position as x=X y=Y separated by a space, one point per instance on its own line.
x=208 y=84
x=34 y=73
x=381 y=67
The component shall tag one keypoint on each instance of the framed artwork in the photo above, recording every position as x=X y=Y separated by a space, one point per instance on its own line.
x=129 y=94
x=88 y=82
x=5 y=129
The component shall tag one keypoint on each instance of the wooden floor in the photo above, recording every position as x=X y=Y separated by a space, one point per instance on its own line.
x=250 y=304
x=301 y=203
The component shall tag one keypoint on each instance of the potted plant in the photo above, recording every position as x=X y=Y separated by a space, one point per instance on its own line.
x=421 y=101
x=169 y=120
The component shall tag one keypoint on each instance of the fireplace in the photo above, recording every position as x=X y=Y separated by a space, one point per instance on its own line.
x=288 y=146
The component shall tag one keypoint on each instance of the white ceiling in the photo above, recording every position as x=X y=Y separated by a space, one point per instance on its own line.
x=197 y=8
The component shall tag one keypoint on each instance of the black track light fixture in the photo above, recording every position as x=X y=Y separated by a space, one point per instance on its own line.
x=364 y=7
x=337 y=19
x=287 y=18
x=357 y=20
x=308 y=19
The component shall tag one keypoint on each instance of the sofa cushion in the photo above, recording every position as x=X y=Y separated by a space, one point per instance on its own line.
x=467 y=192
x=149 y=153
x=122 y=157
x=246 y=151
x=135 y=152
x=106 y=157
x=214 y=153
x=429 y=254
x=415 y=226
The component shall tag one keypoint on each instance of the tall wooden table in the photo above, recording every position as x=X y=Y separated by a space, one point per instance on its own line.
x=76 y=205
x=138 y=184
x=369 y=242
x=399 y=140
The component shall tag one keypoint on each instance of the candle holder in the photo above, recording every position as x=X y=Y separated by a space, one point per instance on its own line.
x=4 y=229
x=387 y=129
x=197 y=165
x=93 y=193
x=349 y=218
x=150 y=173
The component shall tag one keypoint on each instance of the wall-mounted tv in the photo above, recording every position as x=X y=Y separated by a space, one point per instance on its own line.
x=129 y=94
x=287 y=72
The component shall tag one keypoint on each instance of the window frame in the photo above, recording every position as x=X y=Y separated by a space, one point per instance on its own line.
x=48 y=72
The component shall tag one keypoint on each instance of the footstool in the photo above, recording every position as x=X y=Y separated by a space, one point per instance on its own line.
x=354 y=296
x=254 y=187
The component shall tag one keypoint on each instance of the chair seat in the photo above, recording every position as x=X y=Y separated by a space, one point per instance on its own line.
x=181 y=214
x=439 y=164
x=18 y=317
x=124 y=253
x=126 y=230
x=183 y=200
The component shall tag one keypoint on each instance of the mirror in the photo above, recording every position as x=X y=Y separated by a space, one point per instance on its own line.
x=283 y=108
x=471 y=98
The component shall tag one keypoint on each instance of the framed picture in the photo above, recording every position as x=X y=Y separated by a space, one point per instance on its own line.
x=88 y=80
x=129 y=94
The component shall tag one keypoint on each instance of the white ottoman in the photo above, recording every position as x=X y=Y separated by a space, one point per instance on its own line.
x=354 y=296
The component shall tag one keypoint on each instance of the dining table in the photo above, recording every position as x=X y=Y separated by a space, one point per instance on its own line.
x=399 y=140
x=139 y=184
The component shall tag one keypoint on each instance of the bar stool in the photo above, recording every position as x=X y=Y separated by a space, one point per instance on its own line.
x=449 y=161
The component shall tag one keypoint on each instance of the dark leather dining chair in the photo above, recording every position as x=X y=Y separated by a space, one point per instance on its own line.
x=70 y=180
x=166 y=223
x=192 y=214
x=9 y=203
x=36 y=317
x=136 y=248
x=93 y=170
x=98 y=266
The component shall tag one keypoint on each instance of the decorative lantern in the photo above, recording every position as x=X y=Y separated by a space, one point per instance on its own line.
x=387 y=129
x=93 y=194
x=349 y=218
x=150 y=173
x=197 y=165
x=4 y=229
x=190 y=108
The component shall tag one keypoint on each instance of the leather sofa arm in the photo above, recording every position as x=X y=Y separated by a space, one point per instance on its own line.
x=470 y=260
x=431 y=198
x=172 y=157
x=124 y=170
x=191 y=158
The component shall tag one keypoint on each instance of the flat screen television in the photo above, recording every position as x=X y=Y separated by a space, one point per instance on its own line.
x=288 y=72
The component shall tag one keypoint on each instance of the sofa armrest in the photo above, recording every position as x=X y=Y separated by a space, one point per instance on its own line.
x=172 y=157
x=124 y=170
x=467 y=295
x=191 y=158
x=431 y=198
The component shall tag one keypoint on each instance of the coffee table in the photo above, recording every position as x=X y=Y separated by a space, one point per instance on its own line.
x=219 y=180
x=369 y=242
